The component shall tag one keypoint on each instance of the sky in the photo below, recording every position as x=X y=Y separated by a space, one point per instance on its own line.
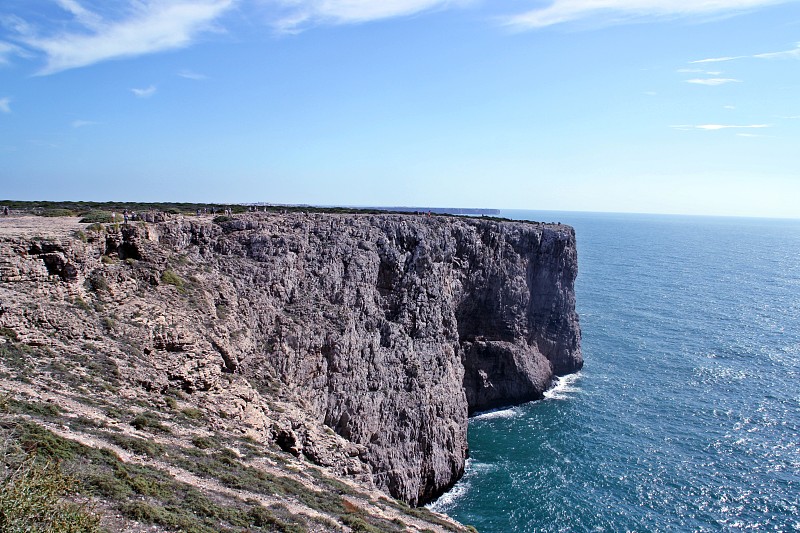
x=647 y=106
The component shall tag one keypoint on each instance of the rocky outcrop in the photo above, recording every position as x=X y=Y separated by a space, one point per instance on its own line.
x=387 y=329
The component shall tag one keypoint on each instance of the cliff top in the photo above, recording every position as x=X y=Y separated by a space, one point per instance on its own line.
x=46 y=223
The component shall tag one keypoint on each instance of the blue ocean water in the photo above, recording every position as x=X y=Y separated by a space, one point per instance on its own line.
x=686 y=416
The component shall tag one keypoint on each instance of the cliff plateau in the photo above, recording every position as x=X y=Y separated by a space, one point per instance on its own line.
x=359 y=343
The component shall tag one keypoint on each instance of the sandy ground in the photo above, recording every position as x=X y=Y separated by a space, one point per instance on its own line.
x=32 y=226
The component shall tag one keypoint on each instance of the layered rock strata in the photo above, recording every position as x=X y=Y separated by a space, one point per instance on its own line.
x=389 y=330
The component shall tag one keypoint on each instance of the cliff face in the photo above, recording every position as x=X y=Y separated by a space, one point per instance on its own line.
x=388 y=329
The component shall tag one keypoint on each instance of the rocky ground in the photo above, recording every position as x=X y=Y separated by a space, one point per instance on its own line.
x=283 y=372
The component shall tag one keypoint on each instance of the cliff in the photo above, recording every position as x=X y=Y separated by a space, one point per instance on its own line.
x=388 y=330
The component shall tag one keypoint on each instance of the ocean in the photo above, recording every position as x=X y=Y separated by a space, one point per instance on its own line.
x=686 y=416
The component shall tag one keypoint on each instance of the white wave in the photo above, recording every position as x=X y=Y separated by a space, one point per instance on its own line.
x=448 y=500
x=563 y=387
x=504 y=412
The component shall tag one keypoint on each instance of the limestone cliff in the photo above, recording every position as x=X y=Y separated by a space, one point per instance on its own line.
x=388 y=329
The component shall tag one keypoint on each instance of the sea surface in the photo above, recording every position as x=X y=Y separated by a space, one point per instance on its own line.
x=686 y=416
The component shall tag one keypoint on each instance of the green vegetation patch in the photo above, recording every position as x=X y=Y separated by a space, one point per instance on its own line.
x=135 y=445
x=54 y=212
x=41 y=409
x=171 y=278
x=97 y=217
x=148 y=421
x=137 y=492
x=36 y=496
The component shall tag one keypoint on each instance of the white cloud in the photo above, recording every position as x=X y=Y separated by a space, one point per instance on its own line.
x=793 y=53
x=147 y=26
x=712 y=81
x=717 y=59
x=83 y=123
x=81 y=14
x=301 y=13
x=190 y=75
x=5 y=105
x=6 y=50
x=144 y=93
x=716 y=127
x=561 y=11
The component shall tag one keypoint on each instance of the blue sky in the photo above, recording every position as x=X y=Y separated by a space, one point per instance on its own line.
x=660 y=106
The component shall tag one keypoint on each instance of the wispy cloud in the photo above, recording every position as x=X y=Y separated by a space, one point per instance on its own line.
x=717 y=59
x=5 y=105
x=6 y=51
x=562 y=11
x=793 y=53
x=144 y=93
x=83 y=123
x=190 y=75
x=147 y=26
x=712 y=81
x=716 y=127
x=302 y=13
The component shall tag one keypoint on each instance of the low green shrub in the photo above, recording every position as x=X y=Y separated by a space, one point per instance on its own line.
x=97 y=217
x=55 y=213
x=149 y=421
x=171 y=278
x=36 y=497
x=192 y=413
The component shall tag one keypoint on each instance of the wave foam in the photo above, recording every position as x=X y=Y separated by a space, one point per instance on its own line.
x=448 y=500
x=503 y=412
x=563 y=387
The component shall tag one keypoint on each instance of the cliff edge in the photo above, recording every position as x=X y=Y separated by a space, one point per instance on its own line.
x=360 y=343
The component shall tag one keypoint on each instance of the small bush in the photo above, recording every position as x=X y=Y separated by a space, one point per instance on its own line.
x=204 y=443
x=191 y=412
x=33 y=497
x=96 y=217
x=55 y=213
x=138 y=446
x=357 y=524
x=96 y=227
x=220 y=219
x=81 y=304
x=80 y=235
x=43 y=409
x=97 y=283
x=108 y=323
x=148 y=421
x=171 y=278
